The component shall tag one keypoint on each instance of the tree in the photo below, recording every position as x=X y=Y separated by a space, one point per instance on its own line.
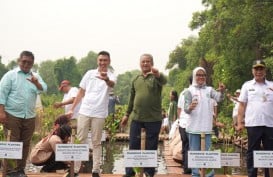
x=181 y=62
x=123 y=85
x=66 y=69
x=232 y=34
x=46 y=70
x=12 y=64
x=3 y=68
x=88 y=62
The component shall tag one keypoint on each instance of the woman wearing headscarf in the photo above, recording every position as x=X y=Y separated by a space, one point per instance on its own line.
x=198 y=106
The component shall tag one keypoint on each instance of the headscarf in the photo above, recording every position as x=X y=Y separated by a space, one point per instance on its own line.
x=194 y=83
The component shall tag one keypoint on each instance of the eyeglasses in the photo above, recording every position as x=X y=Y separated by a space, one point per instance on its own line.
x=201 y=75
x=259 y=68
x=26 y=62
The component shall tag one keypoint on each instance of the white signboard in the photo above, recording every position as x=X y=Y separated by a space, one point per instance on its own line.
x=263 y=159
x=230 y=159
x=11 y=150
x=140 y=158
x=72 y=152
x=204 y=159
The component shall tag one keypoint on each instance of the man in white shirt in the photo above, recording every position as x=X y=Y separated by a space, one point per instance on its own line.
x=94 y=91
x=70 y=94
x=256 y=103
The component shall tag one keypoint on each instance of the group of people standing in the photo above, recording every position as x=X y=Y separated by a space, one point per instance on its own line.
x=89 y=104
x=252 y=110
x=19 y=89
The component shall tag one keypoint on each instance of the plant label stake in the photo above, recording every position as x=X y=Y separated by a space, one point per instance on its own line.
x=4 y=172
x=203 y=148
x=143 y=147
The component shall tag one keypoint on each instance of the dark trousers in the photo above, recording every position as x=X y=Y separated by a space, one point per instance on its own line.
x=21 y=131
x=51 y=165
x=256 y=136
x=152 y=132
x=185 y=147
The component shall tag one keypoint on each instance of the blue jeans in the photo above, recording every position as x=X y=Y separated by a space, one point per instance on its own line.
x=152 y=132
x=195 y=145
x=256 y=136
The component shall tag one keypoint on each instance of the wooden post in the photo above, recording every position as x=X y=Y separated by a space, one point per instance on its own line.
x=225 y=170
x=203 y=148
x=5 y=161
x=72 y=162
x=143 y=147
x=270 y=171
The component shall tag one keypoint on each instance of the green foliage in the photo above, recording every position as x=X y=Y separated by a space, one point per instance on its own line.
x=123 y=85
x=88 y=62
x=12 y=64
x=46 y=70
x=3 y=69
x=66 y=69
x=166 y=97
x=112 y=122
x=2 y=135
x=48 y=115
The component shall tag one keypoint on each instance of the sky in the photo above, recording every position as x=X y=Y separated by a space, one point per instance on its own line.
x=54 y=29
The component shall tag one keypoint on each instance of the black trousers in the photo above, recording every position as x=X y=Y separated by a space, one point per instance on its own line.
x=257 y=136
x=185 y=147
x=51 y=165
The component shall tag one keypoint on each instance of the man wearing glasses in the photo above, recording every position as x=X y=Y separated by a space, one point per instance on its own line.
x=18 y=92
x=256 y=103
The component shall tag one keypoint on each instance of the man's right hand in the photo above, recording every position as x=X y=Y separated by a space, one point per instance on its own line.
x=69 y=114
x=240 y=127
x=57 y=105
x=124 y=121
x=3 y=118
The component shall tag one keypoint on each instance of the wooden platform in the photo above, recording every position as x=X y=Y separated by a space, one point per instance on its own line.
x=116 y=175
x=173 y=168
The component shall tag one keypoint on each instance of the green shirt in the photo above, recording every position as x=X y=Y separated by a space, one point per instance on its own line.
x=145 y=98
x=172 y=111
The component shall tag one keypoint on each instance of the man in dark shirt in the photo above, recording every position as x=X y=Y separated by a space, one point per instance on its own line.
x=144 y=109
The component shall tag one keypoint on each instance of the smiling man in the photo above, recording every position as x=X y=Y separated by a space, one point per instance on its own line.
x=256 y=103
x=18 y=92
x=144 y=109
x=94 y=91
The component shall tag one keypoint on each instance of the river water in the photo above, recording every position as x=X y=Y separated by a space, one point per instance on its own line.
x=112 y=160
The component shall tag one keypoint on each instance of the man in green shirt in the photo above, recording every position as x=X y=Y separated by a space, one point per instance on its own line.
x=144 y=109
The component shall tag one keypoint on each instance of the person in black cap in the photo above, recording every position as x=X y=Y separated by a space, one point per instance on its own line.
x=256 y=103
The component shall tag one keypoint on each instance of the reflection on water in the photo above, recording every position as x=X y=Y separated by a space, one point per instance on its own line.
x=113 y=159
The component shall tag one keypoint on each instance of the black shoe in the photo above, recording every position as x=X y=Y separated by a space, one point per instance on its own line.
x=128 y=176
x=12 y=174
x=19 y=173
x=187 y=171
x=94 y=174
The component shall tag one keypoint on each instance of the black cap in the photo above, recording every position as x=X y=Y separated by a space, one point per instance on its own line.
x=258 y=63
